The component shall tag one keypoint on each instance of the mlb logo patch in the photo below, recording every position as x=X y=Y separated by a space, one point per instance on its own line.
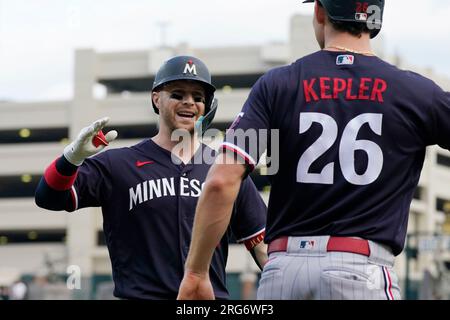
x=361 y=16
x=308 y=244
x=345 y=59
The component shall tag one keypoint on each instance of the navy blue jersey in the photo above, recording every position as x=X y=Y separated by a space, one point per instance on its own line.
x=148 y=205
x=352 y=136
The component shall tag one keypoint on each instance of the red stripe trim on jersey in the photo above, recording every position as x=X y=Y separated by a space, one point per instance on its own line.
x=248 y=160
x=388 y=286
x=56 y=180
x=252 y=242
x=251 y=236
x=74 y=197
x=241 y=151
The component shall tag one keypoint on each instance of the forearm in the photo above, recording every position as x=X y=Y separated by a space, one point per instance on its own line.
x=259 y=254
x=212 y=218
x=213 y=214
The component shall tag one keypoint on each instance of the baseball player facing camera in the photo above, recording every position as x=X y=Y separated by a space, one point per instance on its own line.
x=147 y=198
x=353 y=132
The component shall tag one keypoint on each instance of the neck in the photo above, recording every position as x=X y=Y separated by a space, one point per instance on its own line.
x=184 y=148
x=345 y=40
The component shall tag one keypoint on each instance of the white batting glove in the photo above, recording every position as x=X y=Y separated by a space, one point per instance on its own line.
x=83 y=147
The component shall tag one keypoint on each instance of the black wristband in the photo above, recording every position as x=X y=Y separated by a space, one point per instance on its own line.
x=64 y=167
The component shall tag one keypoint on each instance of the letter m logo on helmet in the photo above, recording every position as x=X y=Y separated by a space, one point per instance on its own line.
x=190 y=68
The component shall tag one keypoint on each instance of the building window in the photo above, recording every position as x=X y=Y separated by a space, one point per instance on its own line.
x=443 y=160
x=134 y=131
x=61 y=134
x=145 y=84
x=29 y=135
x=418 y=193
x=23 y=186
x=101 y=240
x=32 y=236
x=442 y=204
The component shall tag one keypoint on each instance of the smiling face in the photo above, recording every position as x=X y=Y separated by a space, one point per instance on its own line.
x=180 y=104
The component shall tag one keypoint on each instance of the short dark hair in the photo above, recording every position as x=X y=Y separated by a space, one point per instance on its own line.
x=354 y=28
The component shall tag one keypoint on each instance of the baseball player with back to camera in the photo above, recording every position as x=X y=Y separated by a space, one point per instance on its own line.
x=353 y=131
x=148 y=192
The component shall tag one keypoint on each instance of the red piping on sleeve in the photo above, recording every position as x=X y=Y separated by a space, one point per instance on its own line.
x=243 y=156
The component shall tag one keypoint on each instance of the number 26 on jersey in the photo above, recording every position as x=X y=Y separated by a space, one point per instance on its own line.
x=348 y=144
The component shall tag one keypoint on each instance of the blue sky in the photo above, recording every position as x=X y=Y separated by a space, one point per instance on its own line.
x=38 y=38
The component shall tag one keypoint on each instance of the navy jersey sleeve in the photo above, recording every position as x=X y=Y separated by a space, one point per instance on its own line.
x=55 y=189
x=440 y=120
x=93 y=184
x=247 y=136
x=249 y=215
x=68 y=187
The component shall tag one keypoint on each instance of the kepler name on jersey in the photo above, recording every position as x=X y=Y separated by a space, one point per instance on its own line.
x=326 y=88
x=164 y=187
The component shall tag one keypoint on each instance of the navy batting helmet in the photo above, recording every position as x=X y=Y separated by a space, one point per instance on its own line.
x=185 y=68
x=354 y=11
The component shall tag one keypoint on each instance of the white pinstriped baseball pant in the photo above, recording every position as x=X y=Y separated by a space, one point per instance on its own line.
x=310 y=272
